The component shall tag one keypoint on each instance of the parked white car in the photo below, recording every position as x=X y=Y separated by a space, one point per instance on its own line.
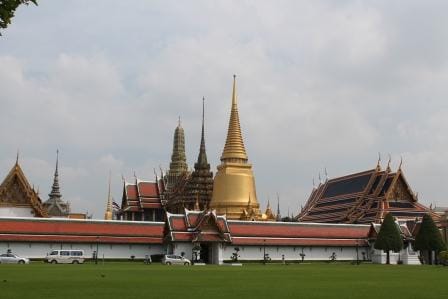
x=171 y=259
x=10 y=258
x=65 y=257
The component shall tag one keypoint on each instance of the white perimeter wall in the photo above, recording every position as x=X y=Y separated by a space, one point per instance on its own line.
x=293 y=253
x=16 y=212
x=222 y=252
x=115 y=251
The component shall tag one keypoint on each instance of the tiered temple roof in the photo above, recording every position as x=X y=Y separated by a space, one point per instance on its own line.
x=363 y=197
x=197 y=226
x=16 y=191
x=141 y=195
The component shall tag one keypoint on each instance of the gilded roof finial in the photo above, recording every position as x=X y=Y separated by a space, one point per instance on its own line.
x=234 y=150
x=17 y=157
x=401 y=162
x=388 y=163
x=378 y=163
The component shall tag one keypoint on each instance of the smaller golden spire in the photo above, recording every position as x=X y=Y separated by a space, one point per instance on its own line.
x=109 y=210
x=388 y=164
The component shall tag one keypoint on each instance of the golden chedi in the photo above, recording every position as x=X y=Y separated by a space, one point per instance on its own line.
x=234 y=191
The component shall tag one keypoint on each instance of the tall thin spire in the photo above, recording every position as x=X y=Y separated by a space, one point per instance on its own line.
x=55 y=189
x=279 y=216
x=17 y=157
x=109 y=210
x=199 y=189
x=202 y=157
x=234 y=150
x=54 y=204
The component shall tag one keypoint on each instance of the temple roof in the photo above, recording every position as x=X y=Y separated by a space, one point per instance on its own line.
x=16 y=191
x=141 y=195
x=363 y=197
x=197 y=226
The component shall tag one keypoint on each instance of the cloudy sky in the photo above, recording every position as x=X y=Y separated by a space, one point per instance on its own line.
x=320 y=83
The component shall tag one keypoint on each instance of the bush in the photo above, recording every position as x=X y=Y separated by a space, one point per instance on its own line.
x=443 y=257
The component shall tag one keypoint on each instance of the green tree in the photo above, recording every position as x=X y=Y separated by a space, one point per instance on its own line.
x=389 y=238
x=8 y=8
x=429 y=238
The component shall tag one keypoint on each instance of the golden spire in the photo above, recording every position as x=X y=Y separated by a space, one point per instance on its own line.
x=109 y=211
x=234 y=150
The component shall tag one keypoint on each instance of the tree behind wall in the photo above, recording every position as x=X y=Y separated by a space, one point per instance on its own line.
x=389 y=237
x=8 y=8
x=428 y=238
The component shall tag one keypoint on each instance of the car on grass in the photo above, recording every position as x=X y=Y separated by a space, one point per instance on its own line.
x=65 y=257
x=172 y=259
x=10 y=258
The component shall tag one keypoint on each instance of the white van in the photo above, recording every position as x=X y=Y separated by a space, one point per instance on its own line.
x=65 y=257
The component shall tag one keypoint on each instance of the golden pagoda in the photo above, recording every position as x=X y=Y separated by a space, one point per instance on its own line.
x=234 y=191
x=109 y=214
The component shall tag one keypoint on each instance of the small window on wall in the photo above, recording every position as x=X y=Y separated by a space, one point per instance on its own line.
x=260 y=248
x=341 y=249
x=326 y=249
x=311 y=248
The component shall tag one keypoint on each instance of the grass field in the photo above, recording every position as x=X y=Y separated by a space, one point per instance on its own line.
x=135 y=280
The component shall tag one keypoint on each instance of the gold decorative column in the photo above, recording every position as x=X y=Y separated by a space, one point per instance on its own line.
x=234 y=191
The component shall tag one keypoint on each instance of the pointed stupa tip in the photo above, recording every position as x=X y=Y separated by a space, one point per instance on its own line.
x=234 y=150
x=202 y=157
x=55 y=189
x=57 y=163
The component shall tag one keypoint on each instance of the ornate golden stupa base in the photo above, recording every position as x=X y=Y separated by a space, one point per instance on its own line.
x=234 y=192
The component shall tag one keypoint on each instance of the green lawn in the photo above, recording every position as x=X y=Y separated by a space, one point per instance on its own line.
x=136 y=280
